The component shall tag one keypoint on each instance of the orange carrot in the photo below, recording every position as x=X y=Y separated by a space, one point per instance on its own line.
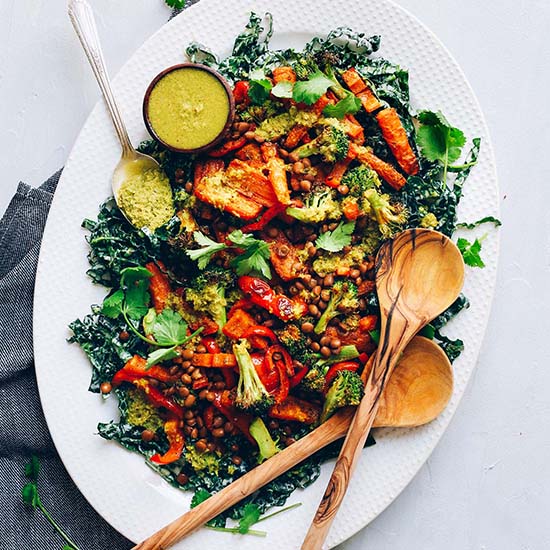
x=284 y=74
x=297 y=410
x=238 y=324
x=386 y=171
x=360 y=88
x=350 y=208
x=159 y=286
x=353 y=129
x=295 y=136
x=249 y=152
x=248 y=179
x=277 y=178
x=397 y=140
x=214 y=360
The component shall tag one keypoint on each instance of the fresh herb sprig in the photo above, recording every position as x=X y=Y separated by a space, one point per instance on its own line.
x=168 y=329
x=176 y=4
x=251 y=515
x=334 y=241
x=471 y=251
x=254 y=258
x=30 y=496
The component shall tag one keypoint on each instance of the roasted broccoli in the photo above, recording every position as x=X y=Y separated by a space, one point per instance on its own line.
x=332 y=143
x=343 y=298
x=258 y=113
x=359 y=179
x=346 y=389
x=267 y=447
x=314 y=380
x=296 y=344
x=391 y=217
x=208 y=293
x=319 y=205
x=251 y=396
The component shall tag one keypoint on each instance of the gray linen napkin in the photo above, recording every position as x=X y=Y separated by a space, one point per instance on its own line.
x=23 y=429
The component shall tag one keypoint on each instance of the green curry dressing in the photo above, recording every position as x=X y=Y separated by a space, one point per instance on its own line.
x=188 y=108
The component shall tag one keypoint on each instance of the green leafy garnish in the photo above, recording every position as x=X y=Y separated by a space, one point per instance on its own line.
x=309 y=91
x=486 y=219
x=251 y=515
x=470 y=252
x=176 y=4
x=208 y=248
x=438 y=140
x=283 y=89
x=259 y=91
x=349 y=105
x=253 y=259
x=334 y=241
x=30 y=497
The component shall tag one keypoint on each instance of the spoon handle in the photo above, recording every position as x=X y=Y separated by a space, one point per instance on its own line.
x=330 y=431
x=82 y=18
x=395 y=336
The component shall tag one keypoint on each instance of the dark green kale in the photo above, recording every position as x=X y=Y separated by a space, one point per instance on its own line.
x=453 y=348
x=99 y=337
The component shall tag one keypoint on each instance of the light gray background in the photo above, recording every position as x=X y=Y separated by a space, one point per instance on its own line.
x=486 y=486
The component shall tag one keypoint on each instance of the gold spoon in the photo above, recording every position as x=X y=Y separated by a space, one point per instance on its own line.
x=419 y=274
x=132 y=163
x=423 y=385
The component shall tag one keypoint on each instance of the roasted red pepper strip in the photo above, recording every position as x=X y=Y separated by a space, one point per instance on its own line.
x=262 y=295
x=268 y=376
x=136 y=368
x=267 y=216
x=228 y=375
x=157 y=398
x=211 y=345
x=227 y=147
x=281 y=367
x=176 y=440
x=298 y=377
x=260 y=330
x=243 y=303
x=336 y=368
x=240 y=92
x=223 y=403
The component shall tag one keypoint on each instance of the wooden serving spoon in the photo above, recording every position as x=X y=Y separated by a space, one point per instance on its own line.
x=417 y=393
x=419 y=274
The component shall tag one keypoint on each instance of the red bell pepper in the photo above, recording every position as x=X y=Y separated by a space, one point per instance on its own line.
x=268 y=376
x=240 y=91
x=298 y=377
x=267 y=216
x=227 y=147
x=136 y=368
x=262 y=295
x=212 y=347
x=157 y=398
x=281 y=367
x=176 y=440
x=224 y=404
x=159 y=286
x=264 y=332
x=352 y=366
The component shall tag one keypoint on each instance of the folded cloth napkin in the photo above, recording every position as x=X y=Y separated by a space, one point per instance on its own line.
x=23 y=429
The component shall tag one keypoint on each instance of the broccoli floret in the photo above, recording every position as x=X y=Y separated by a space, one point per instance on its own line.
x=343 y=298
x=258 y=113
x=314 y=380
x=251 y=396
x=267 y=447
x=332 y=143
x=319 y=205
x=346 y=389
x=359 y=179
x=295 y=342
x=391 y=218
x=208 y=293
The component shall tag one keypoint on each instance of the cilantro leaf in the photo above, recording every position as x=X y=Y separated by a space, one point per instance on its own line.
x=176 y=4
x=112 y=305
x=470 y=252
x=254 y=258
x=348 y=105
x=241 y=239
x=283 y=89
x=251 y=515
x=169 y=328
x=208 y=248
x=135 y=281
x=32 y=468
x=438 y=140
x=334 y=241
x=160 y=355
x=199 y=497
x=309 y=91
x=149 y=321
x=259 y=90
x=29 y=494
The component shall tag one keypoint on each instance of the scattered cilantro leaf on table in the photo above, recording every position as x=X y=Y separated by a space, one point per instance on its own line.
x=251 y=515
x=334 y=241
x=31 y=498
x=470 y=252
x=176 y=4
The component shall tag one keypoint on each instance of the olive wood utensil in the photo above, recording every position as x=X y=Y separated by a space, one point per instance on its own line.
x=131 y=162
x=418 y=275
x=423 y=373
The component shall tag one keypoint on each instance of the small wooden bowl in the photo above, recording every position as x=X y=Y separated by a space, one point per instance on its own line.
x=230 y=116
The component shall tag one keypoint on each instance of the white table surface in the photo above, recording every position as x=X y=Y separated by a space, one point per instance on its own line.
x=486 y=486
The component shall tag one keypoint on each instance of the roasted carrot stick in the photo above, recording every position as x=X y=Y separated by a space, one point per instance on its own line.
x=360 y=88
x=397 y=140
x=386 y=171
x=159 y=286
